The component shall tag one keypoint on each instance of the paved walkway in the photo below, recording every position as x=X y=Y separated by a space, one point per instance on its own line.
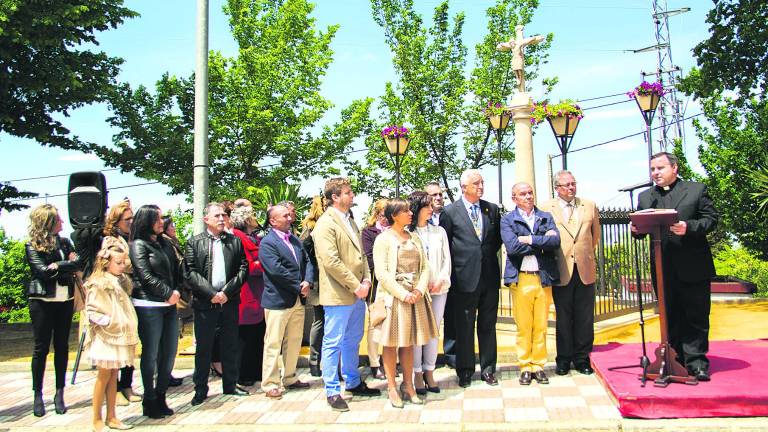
x=573 y=402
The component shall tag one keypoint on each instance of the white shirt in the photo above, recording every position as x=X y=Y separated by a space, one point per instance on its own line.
x=345 y=218
x=435 y=242
x=468 y=205
x=529 y=261
x=218 y=267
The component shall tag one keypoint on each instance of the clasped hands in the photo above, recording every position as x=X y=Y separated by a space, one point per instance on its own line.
x=53 y=266
x=529 y=239
x=304 y=288
x=362 y=290
x=679 y=228
x=219 y=298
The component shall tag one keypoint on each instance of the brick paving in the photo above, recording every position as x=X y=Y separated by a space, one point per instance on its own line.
x=574 y=397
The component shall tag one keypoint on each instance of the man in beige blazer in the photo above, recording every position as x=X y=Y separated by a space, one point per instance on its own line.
x=344 y=284
x=574 y=296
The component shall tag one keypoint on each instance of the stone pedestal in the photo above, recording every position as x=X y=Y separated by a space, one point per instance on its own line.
x=524 y=172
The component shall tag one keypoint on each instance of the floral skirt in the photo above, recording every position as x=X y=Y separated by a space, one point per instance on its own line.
x=108 y=356
x=408 y=324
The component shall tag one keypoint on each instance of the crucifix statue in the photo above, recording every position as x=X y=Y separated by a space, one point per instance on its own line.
x=517 y=46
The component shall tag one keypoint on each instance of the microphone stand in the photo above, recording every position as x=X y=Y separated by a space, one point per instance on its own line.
x=644 y=361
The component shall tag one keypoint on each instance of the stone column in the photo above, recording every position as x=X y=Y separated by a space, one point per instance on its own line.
x=524 y=172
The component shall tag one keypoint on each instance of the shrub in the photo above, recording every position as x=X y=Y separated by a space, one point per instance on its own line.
x=14 y=274
x=742 y=263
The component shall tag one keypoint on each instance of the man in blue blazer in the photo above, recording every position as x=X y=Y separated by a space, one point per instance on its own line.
x=532 y=239
x=287 y=276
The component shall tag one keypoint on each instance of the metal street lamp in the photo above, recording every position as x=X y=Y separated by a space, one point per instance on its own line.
x=397 y=147
x=647 y=104
x=564 y=128
x=499 y=124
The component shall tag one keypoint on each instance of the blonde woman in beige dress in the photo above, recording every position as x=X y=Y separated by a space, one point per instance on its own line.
x=113 y=333
x=403 y=274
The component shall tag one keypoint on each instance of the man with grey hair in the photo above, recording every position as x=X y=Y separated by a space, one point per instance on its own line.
x=472 y=225
x=578 y=221
x=217 y=268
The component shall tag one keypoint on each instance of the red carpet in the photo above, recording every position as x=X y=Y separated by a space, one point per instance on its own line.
x=739 y=386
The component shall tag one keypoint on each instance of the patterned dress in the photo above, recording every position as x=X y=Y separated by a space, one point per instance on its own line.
x=408 y=324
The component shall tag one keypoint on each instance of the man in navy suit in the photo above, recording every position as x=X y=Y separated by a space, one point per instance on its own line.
x=531 y=238
x=472 y=225
x=287 y=275
x=688 y=266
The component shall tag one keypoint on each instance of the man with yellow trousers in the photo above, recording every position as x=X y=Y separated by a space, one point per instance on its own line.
x=579 y=223
x=531 y=239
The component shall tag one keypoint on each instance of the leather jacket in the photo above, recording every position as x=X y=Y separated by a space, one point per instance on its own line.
x=43 y=281
x=199 y=265
x=155 y=270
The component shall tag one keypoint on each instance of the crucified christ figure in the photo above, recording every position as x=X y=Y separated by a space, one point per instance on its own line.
x=517 y=46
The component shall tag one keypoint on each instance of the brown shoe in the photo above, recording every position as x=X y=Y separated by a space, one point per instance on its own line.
x=275 y=393
x=299 y=385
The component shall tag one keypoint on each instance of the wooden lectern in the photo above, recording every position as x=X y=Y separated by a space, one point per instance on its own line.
x=665 y=368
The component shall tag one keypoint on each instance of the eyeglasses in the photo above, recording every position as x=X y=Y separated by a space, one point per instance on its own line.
x=565 y=185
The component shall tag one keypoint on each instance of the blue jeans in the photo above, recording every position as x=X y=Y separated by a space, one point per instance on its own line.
x=343 y=332
x=159 y=334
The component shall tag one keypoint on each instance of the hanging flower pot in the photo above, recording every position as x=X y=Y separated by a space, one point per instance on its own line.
x=556 y=115
x=498 y=115
x=397 y=139
x=564 y=125
x=499 y=121
x=647 y=95
x=647 y=102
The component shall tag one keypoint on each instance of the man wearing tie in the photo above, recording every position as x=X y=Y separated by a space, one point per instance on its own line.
x=688 y=265
x=287 y=275
x=344 y=284
x=574 y=295
x=472 y=226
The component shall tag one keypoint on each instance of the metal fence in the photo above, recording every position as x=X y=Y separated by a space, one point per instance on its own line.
x=618 y=257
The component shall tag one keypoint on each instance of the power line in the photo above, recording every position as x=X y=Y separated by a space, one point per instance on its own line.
x=608 y=104
x=49 y=176
x=65 y=194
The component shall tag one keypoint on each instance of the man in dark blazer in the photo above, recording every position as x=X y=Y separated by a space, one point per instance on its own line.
x=287 y=276
x=216 y=269
x=687 y=260
x=472 y=225
x=531 y=238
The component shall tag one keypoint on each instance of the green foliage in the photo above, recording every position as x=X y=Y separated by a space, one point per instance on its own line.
x=263 y=197
x=14 y=275
x=9 y=193
x=565 y=107
x=264 y=104
x=183 y=220
x=734 y=56
x=760 y=177
x=448 y=133
x=43 y=74
x=743 y=264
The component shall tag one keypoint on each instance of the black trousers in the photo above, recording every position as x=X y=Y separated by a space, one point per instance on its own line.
x=480 y=306
x=449 y=333
x=225 y=318
x=316 y=335
x=575 y=306
x=159 y=335
x=251 y=337
x=125 y=378
x=688 y=306
x=50 y=320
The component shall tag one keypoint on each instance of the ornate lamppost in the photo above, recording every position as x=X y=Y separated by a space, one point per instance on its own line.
x=647 y=96
x=498 y=118
x=396 y=138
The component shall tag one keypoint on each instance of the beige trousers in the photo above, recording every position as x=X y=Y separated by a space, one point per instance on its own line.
x=282 y=341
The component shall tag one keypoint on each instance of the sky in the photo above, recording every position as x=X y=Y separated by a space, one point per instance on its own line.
x=588 y=54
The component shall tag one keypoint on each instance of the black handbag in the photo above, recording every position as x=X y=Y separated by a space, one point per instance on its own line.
x=35 y=288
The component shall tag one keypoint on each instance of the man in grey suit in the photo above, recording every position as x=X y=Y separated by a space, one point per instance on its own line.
x=472 y=225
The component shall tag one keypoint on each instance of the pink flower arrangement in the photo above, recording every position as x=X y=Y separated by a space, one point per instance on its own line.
x=646 y=89
x=565 y=108
x=394 y=131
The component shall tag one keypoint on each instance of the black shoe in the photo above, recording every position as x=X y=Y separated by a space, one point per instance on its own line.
x=199 y=398
x=700 y=374
x=246 y=383
x=237 y=392
x=584 y=369
x=58 y=402
x=315 y=371
x=378 y=373
x=563 y=368
x=465 y=381
x=162 y=406
x=175 y=382
x=541 y=377
x=525 y=378
x=435 y=389
x=364 y=390
x=338 y=403
x=489 y=378
x=149 y=408
x=38 y=408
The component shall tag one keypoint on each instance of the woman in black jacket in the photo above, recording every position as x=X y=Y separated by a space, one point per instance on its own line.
x=51 y=289
x=155 y=276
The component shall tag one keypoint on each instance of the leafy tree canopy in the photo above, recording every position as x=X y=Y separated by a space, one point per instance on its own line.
x=9 y=196
x=435 y=96
x=264 y=105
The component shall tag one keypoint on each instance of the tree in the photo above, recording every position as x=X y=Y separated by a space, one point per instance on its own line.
x=14 y=275
x=8 y=196
x=735 y=57
x=263 y=104
x=42 y=73
x=435 y=96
